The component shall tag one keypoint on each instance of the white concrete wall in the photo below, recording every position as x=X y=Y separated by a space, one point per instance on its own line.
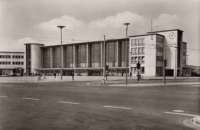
x=35 y=57
x=170 y=51
x=150 y=55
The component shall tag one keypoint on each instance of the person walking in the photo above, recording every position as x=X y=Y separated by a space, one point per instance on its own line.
x=72 y=76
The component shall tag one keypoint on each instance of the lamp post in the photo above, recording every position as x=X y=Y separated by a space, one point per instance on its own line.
x=61 y=50
x=187 y=65
x=126 y=47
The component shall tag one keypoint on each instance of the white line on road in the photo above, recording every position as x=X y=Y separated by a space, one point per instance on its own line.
x=31 y=98
x=180 y=114
x=187 y=92
x=68 y=102
x=3 y=96
x=151 y=90
x=117 y=107
x=120 y=89
x=69 y=87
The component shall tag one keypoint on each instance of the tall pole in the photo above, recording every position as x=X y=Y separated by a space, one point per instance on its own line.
x=187 y=65
x=104 y=57
x=164 y=65
x=175 y=62
x=61 y=51
x=126 y=46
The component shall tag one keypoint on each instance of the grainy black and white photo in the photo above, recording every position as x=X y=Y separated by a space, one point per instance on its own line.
x=99 y=65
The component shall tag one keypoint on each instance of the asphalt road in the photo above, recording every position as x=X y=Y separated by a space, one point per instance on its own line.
x=78 y=106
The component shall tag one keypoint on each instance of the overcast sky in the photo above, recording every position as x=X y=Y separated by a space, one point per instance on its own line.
x=27 y=21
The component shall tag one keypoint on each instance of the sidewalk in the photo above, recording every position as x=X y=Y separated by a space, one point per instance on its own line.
x=111 y=79
x=158 y=84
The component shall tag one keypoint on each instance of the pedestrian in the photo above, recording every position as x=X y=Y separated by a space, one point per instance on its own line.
x=122 y=73
x=72 y=76
x=54 y=75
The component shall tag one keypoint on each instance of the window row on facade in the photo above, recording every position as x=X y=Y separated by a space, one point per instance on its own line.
x=138 y=42
x=159 y=49
x=140 y=59
x=159 y=58
x=13 y=56
x=135 y=70
x=9 y=63
x=138 y=51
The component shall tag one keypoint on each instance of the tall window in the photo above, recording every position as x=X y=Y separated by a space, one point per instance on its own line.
x=132 y=51
x=143 y=51
x=139 y=51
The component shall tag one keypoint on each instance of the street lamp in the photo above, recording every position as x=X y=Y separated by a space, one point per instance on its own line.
x=187 y=65
x=126 y=47
x=61 y=49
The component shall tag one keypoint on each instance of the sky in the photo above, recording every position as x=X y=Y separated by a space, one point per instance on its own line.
x=36 y=21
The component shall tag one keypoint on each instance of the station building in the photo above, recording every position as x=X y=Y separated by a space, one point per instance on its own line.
x=11 y=63
x=87 y=58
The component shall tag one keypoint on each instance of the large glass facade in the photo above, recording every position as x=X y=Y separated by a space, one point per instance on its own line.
x=111 y=54
x=124 y=47
x=95 y=55
x=69 y=57
x=57 y=57
x=82 y=56
x=46 y=58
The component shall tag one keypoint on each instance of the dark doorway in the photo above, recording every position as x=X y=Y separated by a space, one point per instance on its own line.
x=169 y=72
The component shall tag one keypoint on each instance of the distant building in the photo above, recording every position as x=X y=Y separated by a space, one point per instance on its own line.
x=11 y=63
x=87 y=58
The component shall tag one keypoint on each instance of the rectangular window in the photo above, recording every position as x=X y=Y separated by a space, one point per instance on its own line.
x=159 y=58
x=143 y=70
x=22 y=57
x=132 y=60
x=136 y=42
x=22 y=63
x=139 y=41
x=183 y=53
x=132 y=42
x=143 y=43
x=139 y=51
x=143 y=60
x=132 y=51
x=136 y=51
x=143 y=52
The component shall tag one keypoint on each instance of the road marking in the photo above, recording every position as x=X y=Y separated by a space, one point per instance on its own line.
x=3 y=96
x=180 y=114
x=68 y=102
x=120 y=89
x=187 y=92
x=117 y=107
x=178 y=110
x=69 y=87
x=151 y=90
x=31 y=98
x=94 y=88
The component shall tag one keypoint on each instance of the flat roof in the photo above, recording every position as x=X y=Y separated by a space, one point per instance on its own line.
x=87 y=42
x=34 y=43
x=146 y=35
x=166 y=30
x=10 y=52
